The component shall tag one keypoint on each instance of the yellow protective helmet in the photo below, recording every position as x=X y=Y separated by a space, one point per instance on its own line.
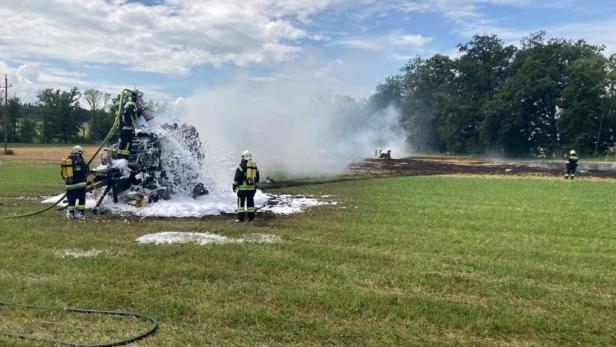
x=77 y=150
x=246 y=155
x=572 y=152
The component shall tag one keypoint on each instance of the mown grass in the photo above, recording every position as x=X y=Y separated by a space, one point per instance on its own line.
x=399 y=261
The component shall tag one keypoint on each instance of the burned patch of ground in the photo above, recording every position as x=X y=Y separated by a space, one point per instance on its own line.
x=428 y=166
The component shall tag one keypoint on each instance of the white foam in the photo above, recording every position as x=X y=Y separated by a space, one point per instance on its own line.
x=175 y=237
x=288 y=204
x=187 y=207
x=90 y=201
x=78 y=253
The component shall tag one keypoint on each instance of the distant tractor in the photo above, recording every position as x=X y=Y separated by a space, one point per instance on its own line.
x=385 y=155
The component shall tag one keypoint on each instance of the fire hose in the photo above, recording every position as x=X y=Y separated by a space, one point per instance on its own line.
x=149 y=331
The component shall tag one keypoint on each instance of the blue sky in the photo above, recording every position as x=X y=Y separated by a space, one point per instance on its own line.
x=173 y=48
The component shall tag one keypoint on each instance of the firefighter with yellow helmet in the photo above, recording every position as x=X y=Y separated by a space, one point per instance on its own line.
x=245 y=184
x=75 y=171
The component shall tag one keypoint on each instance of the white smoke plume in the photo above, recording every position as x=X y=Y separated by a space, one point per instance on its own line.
x=293 y=125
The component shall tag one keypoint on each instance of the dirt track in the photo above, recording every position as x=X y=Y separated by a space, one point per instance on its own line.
x=424 y=166
x=44 y=154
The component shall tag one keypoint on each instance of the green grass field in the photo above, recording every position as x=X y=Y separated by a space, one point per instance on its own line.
x=427 y=261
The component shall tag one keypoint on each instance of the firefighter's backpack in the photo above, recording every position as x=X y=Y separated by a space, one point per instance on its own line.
x=67 y=169
x=251 y=172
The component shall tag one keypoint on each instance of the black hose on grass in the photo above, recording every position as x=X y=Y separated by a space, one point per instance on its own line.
x=151 y=330
x=310 y=182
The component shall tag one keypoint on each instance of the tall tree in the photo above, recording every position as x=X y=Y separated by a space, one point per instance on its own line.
x=27 y=131
x=481 y=72
x=580 y=119
x=100 y=121
x=524 y=117
x=14 y=112
x=427 y=93
x=388 y=93
x=606 y=134
x=59 y=113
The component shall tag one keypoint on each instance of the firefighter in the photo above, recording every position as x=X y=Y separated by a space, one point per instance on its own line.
x=572 y=163
x=245 y=184
x=75 y=174
x=131 y=110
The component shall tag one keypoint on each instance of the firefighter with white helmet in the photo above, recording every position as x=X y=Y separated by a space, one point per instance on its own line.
x=75 y=171
x=572 y=163
x=245 y=184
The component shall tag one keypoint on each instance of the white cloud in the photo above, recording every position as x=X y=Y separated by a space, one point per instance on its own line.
x=413 y=40
x=600 y=33
x=176 y=35
x=30 y=77
x=384 y=41
x=469 y=17
x=168 y=38
x=461 y=9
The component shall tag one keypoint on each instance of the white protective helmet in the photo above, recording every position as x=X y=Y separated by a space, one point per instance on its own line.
x=572 y=152
x=246 y=155
x=77 y=150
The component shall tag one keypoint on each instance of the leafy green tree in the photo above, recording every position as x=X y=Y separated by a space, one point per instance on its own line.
x=59 y=109
x=14 y=112
x=427 y=93
x=27 y=131
x=524 y=117
x=582 y=103
x=388 y=93
x=82 y=117
x=606 y=134
x=481 y=72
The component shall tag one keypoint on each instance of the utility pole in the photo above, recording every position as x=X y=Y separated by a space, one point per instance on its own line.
x=6 y=111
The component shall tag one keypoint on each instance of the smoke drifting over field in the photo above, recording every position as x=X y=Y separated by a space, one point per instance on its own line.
x=291 y=124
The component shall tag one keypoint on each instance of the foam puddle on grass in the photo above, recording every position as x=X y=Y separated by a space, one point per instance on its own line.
x=176 y=237
x=186 y=207
x=89 y=253
x=78 y=253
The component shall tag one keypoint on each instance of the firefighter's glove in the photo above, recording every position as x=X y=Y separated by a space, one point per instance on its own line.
x=235 y=188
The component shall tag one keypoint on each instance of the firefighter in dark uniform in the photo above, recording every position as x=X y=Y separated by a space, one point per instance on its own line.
x=128 y=119
x=75 y=173
x=572 y=163
x=245 y=184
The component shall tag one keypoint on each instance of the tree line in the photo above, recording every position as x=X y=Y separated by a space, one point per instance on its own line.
x=544 y=98
x=58 y=117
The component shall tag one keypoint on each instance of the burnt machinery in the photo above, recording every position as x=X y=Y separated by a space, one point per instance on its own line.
x=164 y=160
